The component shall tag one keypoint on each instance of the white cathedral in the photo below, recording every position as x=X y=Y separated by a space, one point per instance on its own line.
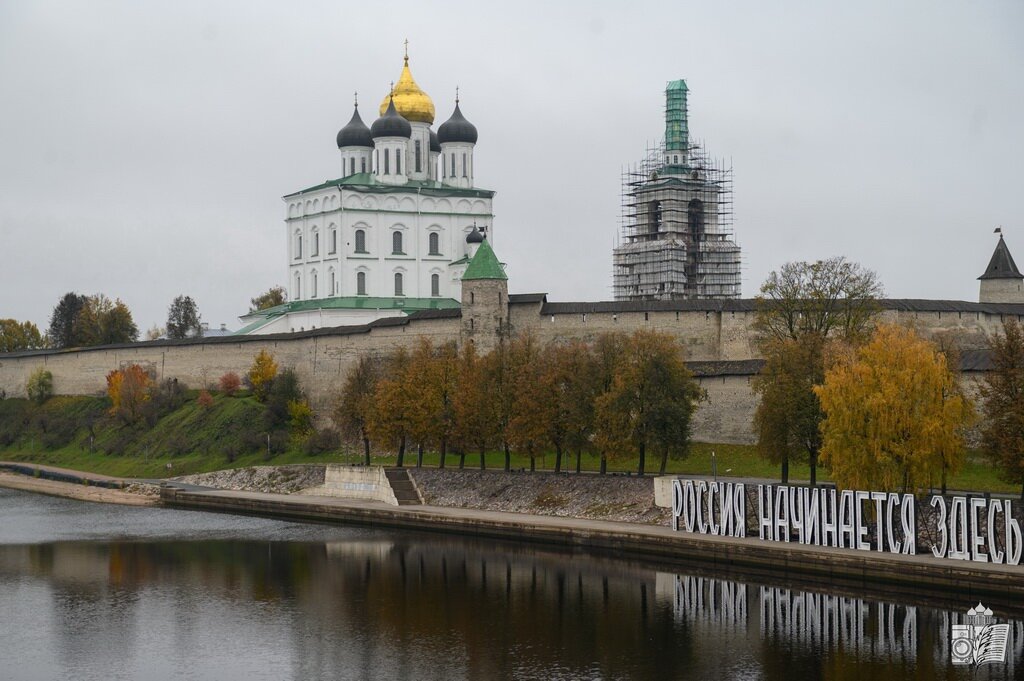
x=394 y=233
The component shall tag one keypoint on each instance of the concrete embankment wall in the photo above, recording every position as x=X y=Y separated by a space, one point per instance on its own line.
x=352 y=482
x=973 y=580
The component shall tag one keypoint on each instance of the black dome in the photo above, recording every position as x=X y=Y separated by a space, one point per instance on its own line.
x=355 y=133
x=475 y=237
x=457 y=129
x=391 y=124
x=435 y=144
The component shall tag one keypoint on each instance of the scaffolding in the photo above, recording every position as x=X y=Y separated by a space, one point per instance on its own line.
x=675 y=233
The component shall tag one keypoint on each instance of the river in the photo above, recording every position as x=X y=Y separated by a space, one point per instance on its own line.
x=92 y=591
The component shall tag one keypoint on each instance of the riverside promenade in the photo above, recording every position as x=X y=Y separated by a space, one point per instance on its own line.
x=879 y=571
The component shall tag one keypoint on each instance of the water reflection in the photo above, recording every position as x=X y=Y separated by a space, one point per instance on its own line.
x=360 y=604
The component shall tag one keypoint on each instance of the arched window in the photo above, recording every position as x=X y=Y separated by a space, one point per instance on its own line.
x=472 y=297
x=435 y=243
x=331 y=284
x=435 y=285
x=396 y=243
x=298 y=286
x=313 y=287
x=387 y=161
x=360 y=241
x=418 y=155
x=360 y=283
x=316 y=244
x=334 y=240
x=464 y=165
x=376 y=159
x=398 y=284
x=362 y=164
x=352 y=166
x=298 y=246
x=398 y=161
x=453 y=165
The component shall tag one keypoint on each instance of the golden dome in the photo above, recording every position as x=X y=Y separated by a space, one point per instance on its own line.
x=413 y=103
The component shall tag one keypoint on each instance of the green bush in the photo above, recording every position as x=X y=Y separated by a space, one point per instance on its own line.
x=326 y=440
x=40 y=385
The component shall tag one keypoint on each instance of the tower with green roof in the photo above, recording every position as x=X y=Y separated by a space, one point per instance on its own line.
x=484 y=299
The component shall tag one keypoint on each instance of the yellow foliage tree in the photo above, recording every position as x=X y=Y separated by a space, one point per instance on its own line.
x=261 y=374
x=894 y=414
x=129 y=391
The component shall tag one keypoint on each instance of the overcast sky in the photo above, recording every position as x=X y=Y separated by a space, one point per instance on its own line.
x=145 y=147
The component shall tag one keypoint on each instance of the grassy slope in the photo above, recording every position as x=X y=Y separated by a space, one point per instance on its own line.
x=204 y=435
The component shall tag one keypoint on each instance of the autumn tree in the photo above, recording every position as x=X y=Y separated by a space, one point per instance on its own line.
x=229 y=383
x=801 y=308
x=129 y=390
x=389 y=417
x=894 y=414
x=567 y=379
x=353 y=408
x=606 y=354
x=429 y=384
x=497 y=375
x=271 y=298
x=788 y=417
x=526 y=430
x=650 y=402
x=15 y=336
x=183 y=320
x=261 y=374
x=476 y=423
x=1002 y=404
x=117 y=325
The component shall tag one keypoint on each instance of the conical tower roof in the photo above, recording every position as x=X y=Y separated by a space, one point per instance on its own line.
x=1001 y=266
x=484 y=265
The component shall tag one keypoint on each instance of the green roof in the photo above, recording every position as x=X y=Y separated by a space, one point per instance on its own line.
x=367 y=183
x=361 y=303
x=484 y=265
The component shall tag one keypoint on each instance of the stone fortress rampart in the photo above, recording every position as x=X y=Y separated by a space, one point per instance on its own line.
x=717 y=337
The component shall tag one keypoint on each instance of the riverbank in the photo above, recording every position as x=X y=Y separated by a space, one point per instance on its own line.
x=131 y=495
x=651 y=542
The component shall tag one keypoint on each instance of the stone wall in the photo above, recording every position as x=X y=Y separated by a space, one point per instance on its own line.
x=717 y=339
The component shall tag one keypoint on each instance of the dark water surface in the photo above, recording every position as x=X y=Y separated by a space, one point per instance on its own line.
x=90 y=591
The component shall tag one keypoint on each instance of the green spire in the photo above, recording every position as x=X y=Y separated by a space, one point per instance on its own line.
x=676 y=130
x=484 y=265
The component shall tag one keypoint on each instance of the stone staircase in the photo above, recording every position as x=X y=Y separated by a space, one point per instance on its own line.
x=404 y=487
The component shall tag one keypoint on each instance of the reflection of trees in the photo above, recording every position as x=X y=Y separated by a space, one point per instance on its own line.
x=391 y=605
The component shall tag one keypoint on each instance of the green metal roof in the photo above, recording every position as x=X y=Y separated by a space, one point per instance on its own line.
x=367 y=183
x=484 y=265
x=361 y=303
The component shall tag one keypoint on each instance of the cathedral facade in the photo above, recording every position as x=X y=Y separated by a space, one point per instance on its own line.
x=394 y=233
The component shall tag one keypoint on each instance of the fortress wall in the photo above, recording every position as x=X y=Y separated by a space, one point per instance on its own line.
x=700 y=333
x=322 y=359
